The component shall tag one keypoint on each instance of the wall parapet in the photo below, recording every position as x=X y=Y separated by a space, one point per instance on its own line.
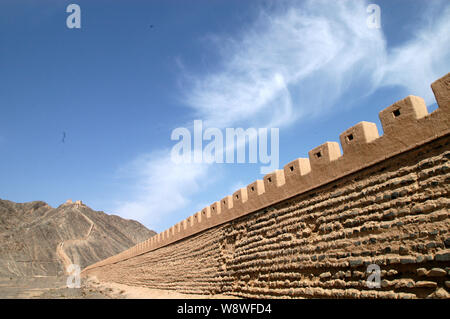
x=406 y=124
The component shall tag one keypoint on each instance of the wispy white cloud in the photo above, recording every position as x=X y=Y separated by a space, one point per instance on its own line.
x=423 y=59
x=296 y=61
x=161 y=187
x=301 y=59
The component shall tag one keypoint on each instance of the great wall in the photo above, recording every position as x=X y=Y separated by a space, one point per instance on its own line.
x=311 y=229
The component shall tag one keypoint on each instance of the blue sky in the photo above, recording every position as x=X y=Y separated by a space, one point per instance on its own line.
x=118 y=88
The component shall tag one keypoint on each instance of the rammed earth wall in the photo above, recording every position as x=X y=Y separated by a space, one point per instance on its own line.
x=311 y=229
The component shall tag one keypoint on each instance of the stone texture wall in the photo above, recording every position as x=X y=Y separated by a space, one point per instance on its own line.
x=319 y=244
x=190 y=266
x=312 y=229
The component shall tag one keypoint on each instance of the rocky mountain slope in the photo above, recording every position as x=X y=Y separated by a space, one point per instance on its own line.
x=38 y=240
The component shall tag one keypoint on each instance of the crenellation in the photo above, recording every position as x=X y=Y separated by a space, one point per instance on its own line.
x=403 y=115
x=274 y=180
x=442 y=93
x=323 y=155
x=206 y=212
x=354 y=138
x=215 y=209
x=198 y=216
x=226 y=204
x=167 y=234
x=256 y=195
x=296 y=169
x=255 y=189
x=239 y=197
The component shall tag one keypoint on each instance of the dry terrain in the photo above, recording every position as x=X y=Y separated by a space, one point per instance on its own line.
x=91 y=288
x=38 y=243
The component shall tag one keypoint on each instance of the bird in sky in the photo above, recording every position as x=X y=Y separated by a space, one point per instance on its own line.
x=64 y=137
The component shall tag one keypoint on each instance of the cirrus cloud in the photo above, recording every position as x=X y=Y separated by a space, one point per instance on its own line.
x=295 y=61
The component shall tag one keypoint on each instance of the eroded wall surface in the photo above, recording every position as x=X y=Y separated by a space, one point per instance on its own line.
x=313 y=229
x=188 y=266
x=319 y=244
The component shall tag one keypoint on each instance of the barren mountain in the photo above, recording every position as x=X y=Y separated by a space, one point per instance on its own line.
x=38 y=240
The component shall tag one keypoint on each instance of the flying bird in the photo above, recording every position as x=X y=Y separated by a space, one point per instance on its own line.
x=64 y=137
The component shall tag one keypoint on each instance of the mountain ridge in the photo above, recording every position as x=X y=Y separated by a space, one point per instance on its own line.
x=39 y=240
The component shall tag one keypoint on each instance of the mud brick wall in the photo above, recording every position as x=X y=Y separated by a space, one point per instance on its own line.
x=311 y=229
x=318 y=244
x=189 y=266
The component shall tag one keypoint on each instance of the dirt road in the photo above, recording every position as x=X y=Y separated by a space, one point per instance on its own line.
x=66 y=261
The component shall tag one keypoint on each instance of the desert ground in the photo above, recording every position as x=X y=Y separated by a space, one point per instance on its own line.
x=55 y=288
